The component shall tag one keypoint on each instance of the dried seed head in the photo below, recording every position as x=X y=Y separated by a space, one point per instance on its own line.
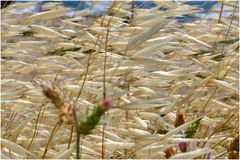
x=66 y=111
x=233 y=155
x=179 y=118
x=107 y=104
x=66 y=107
x=234 y=146
x=53 y=93
x=169 y=152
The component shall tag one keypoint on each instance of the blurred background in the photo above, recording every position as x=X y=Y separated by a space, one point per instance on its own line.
x=100 y=8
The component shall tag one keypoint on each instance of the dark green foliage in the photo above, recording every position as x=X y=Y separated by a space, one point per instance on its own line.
x=229 y=41
x=119 y=53
x=229 y=98
x=61 y=51
x=162 y=131
x=201 y=52
x=235 y=97
x=225 y=128
x=88 y=51
x=27 y=33
x=200 y=76
x=237 y=49
x=218 y=57
x=72 y=37
x=192 y=129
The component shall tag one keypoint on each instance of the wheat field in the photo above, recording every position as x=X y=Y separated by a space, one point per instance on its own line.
x=173 y=87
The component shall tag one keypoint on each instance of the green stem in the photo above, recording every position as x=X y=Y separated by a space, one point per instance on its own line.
x=91 y=121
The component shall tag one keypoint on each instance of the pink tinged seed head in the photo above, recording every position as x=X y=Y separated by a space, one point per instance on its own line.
x=183 y=146
x=107 y=104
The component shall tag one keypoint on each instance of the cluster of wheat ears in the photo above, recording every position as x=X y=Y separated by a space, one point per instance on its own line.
x=133 y=84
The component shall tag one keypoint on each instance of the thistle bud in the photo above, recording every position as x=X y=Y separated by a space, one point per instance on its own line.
x=183 y=146
x=107 y=104
x=92 y=119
